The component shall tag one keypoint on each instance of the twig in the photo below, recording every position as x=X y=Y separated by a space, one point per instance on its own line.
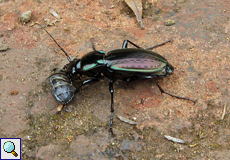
x=224 y=111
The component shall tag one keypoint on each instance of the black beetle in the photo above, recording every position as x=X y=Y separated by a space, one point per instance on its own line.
x=127 y=64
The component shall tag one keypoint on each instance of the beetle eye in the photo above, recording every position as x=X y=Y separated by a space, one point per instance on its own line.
x=163 y=71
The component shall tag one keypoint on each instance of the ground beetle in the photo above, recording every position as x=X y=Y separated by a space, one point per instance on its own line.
x=127 y=64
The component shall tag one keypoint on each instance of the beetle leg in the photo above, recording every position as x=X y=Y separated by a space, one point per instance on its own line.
x=65 y=109
x=162 y=91
x=93 y=44
x=91 y=80
x=98 y=52
x=88 y=81
x=159 y=44
x=112 y=108
x=76 y=78
x=125 y=44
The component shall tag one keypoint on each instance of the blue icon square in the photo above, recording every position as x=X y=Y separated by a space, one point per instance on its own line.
x=10 y=148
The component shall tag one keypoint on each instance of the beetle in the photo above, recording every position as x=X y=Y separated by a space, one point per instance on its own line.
x=127 y=64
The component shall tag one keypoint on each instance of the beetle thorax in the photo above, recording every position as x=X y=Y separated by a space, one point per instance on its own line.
x=169 y=69
x=76 y=68
x=73 y=67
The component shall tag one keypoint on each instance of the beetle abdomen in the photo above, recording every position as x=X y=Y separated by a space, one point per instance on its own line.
x=61 y=87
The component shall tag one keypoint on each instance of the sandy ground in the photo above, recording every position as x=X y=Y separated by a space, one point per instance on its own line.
x=200 y=54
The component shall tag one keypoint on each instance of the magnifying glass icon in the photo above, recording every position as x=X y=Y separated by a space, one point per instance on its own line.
x=9 y=147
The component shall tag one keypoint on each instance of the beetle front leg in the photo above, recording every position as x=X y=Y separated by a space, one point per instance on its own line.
x=112 y=108
x=96 y=78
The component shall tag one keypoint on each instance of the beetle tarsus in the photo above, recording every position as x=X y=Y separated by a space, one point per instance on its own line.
x=111 y=122
x=162 y=91
x=67 y=109
x=112 y=108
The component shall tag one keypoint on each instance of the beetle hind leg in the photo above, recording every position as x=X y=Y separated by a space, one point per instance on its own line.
x=162 y=91
x=125 y=44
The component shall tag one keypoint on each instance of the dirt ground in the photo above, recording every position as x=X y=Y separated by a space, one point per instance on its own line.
x=199 y=52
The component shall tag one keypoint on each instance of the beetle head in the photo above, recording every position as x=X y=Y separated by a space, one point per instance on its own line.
x=169 y=69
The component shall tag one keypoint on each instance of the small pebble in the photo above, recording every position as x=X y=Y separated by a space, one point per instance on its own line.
x=25 y=16
x=169 y=22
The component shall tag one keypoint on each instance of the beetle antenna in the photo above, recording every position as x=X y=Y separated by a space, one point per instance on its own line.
x=69 y=59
